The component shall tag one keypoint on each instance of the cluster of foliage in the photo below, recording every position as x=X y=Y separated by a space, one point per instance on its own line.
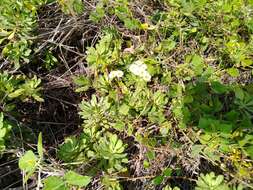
x=14 y=89
x=168 y=81
x=18 y=21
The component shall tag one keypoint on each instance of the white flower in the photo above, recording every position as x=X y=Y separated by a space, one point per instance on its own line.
x=116 y=73
x=146 y=76
x=140 y=69
x=137 y=68
x=134 y=69
x=141 y=64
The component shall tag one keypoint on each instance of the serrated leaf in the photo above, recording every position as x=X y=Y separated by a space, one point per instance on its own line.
x=158 y=180
x=74 y=178
x=28 y=161
x=124 y=109
x=233 y=72
x=120 y=126
x=218 y=87
x=197 y=64
x=167 y=172
x=54 y=183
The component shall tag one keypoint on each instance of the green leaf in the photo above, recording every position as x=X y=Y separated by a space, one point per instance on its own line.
x=1 y=120
x=110 y=148
x=239 y=93
x=196 y=149
x=78 y=6
x=2 y=146
x=249 y=151
x=169 y=188
x=168 y=45
x=158 y=180
x=98 y=14
x=197 y=64
x=247 y=62
x=82 y=82
x=3 y=130
x=218 y=87
x=28 y=161
x=131 y=23
x=73 y=178
x=225 y=128
x=69 y=150
x=54 y=183
x=210 y=181
x=120 y=126
x=72 y=7
x=204 y=123
x=16 y=93
x=151 y=155
x=40 y=146
x=37 y=98
x=124 y=109
x=233 y=72
x=146 y=164
x=167 y=172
